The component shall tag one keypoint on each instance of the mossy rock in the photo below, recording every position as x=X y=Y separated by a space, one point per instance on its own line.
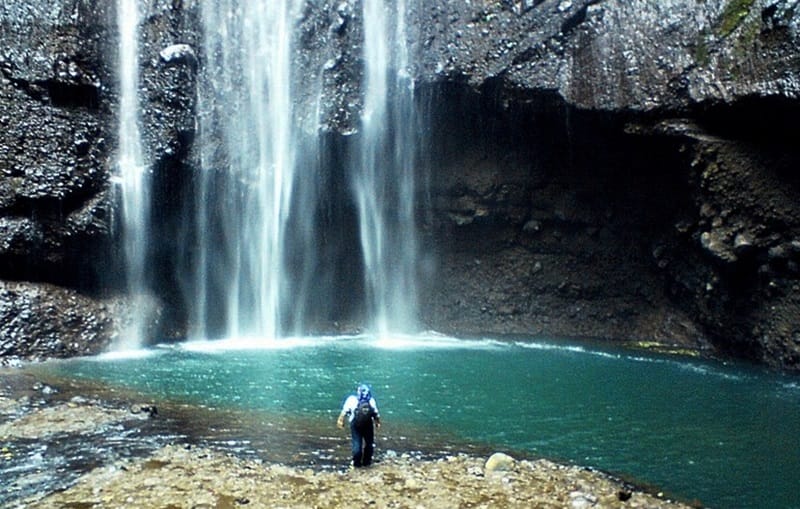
x=732 y=16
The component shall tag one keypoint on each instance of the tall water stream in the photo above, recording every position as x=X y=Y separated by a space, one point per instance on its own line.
x=259 y=263
x=249 y=143
x=384 y=180
x=132 y=177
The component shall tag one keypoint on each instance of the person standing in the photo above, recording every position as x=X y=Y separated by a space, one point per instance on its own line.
x=362 y=411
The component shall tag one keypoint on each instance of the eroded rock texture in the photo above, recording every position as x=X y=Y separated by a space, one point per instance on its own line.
x=618 y=169
x=58 y=139
x=597 y=168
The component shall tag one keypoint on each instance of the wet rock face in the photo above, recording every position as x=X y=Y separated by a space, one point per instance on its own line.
x=331 y=39
x=53 y=142
x=58 y=137
x=169 y=60
x=616 y=55
x=42 y=320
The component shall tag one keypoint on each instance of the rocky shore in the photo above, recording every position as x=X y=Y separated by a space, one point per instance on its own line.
x=180 y=476
x=179 y=473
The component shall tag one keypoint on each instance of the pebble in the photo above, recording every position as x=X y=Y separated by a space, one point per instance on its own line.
x=182 y=53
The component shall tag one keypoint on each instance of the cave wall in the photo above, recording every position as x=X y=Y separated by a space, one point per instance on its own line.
x=546 y=219
x=639 y=183
x=598 y=168
x=554 y=221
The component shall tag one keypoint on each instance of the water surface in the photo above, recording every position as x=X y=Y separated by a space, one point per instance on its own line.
x=726 y=435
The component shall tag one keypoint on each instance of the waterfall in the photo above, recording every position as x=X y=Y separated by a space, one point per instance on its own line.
x=248 y=146
x=384 y=172
x=132 y=179
x=269 y=256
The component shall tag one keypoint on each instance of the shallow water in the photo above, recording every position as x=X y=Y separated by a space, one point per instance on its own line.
x=726 y=435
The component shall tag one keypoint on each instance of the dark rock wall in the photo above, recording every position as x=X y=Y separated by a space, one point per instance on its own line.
x=617 y=55
x=55 y=207
x=546 y=219
x=58 y=137
x=737 y=262
x=597 y=168
x=54 y=143
x=628 y=174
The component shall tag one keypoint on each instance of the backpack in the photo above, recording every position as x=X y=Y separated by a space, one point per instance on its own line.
x=363 y=414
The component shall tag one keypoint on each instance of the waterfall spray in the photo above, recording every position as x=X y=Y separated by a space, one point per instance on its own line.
x=132 y=177
x=384 y=173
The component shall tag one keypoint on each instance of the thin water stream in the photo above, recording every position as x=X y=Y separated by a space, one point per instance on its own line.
x=132 y=176
x=726 y=435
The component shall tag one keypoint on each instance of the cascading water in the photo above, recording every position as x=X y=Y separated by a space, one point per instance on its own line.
x=249 y=145
x=132 y=178
x=384 y=173
x=260 y=263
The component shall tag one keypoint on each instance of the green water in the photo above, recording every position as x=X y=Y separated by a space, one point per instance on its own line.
x=726 y=435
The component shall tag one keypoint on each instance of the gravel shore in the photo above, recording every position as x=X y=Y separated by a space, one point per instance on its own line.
x=181 y=476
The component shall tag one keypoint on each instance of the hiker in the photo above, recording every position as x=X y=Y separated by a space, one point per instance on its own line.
x=362 y=411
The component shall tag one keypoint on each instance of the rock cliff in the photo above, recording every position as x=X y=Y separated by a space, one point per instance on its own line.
x=625 y=170
x=597 y=168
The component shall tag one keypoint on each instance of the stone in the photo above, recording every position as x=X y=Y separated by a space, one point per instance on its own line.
x=742 y=244
x=178 y=53
x=532 y=226
x=580 y=500
x=499 y=462
x=777 y=254
x=715 y=244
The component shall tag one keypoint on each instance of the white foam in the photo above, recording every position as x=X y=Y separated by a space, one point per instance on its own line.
x=116 y=355
x=564 y=348
x=792 y=386
x=423 y=341
x=427 y=340
x=254 y=343
x=700 y=369
x=707 y=370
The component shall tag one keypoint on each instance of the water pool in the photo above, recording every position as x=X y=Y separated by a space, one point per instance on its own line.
x=728 y=435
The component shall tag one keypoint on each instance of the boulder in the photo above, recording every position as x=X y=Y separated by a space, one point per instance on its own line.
x=499 y=462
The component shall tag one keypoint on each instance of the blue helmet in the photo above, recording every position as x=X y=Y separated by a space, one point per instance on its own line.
x=363 y=392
